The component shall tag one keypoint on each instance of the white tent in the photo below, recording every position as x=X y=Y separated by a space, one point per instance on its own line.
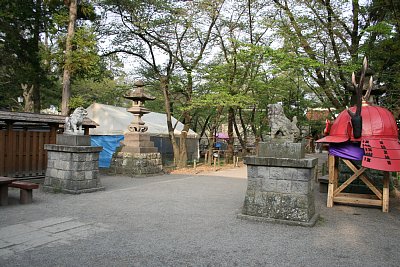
x=115 y=121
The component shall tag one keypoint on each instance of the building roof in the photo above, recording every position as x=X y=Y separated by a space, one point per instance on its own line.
x=26 y=117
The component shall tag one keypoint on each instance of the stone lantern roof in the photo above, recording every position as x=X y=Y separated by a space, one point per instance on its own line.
x=138 y=94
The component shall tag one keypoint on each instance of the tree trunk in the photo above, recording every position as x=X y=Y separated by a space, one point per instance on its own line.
x=182 y=161
x=164 y=87
x=211 y=142
x=229 y=151
x=242 y=141
x=36 y=62
x=28 y=97
x=213 y=132
x=66 y=90
x=183 y=157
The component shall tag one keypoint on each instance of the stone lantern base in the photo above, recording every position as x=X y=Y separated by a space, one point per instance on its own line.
x=138 y=156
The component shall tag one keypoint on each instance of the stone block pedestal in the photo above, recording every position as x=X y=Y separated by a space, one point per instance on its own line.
x=72 y=169
x=137 y=164
x=280 y=190
x=138 y=157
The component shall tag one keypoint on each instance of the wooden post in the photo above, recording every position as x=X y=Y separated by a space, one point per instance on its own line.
x=10 y=167
x=20 y=149
x=332 y=179
x=194 y=164
x=2 y=152
x=35 y=149
x=215 y=163
x=385 y=193
x=53 y=133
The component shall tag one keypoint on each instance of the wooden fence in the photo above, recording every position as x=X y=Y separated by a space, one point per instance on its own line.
x=23 y=153
x=22 y=140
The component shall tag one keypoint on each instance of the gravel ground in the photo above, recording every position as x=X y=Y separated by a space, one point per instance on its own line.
x=190 y=220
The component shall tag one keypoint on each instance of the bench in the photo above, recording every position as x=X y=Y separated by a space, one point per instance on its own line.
x=25 y=194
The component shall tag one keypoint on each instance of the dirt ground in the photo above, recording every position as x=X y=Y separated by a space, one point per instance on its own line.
x=204 y=168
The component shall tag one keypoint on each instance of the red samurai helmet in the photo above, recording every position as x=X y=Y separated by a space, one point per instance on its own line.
x=373 y=126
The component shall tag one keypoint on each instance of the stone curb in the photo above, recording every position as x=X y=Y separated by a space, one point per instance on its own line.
x=310 y=223
x=51 y=189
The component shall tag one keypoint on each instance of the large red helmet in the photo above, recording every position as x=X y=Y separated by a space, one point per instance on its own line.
x=379 y=136
x=378 y=122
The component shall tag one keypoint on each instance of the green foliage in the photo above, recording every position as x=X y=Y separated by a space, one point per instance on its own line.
x=85 y=58
x=381 y=27
x=77 y=101
x=21 y=24
x=106 y=91
x=32 y=36
x=383 y=51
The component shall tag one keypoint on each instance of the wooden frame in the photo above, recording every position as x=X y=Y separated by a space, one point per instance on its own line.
x=380 y=198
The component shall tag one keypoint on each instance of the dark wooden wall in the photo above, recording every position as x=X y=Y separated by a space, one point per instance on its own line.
x=22 y=154
x=22 y=139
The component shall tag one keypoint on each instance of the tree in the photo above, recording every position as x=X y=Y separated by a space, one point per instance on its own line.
x=179 y=31
x=383 y=51
x=329 y=39
x=31 y=46
x=243 y=41
x=21 y=23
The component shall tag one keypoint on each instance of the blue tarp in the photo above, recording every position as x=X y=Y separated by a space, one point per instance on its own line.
x=109 y=143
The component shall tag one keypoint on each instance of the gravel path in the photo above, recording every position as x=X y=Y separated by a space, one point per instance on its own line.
x=187 y=220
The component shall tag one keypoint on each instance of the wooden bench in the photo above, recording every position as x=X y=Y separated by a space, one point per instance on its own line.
x=25 y=194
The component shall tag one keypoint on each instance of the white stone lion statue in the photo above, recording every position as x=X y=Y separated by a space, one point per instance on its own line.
x=73 y=123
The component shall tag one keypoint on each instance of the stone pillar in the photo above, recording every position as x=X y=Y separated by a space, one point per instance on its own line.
x=280 y=189
x=72 y=166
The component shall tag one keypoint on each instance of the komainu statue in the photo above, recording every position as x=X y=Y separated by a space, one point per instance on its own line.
x=281 y=126
x=73 y=123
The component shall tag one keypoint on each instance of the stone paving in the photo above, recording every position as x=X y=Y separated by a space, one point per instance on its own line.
x=51 y=231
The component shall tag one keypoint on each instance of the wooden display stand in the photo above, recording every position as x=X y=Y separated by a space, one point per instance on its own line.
x=379 y=198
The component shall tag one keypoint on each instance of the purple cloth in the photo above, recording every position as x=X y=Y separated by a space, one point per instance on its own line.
x=346 y=150
x=222 y=136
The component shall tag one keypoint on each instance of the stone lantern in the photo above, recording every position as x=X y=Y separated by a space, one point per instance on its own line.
x=138 y=155
x=138 y=98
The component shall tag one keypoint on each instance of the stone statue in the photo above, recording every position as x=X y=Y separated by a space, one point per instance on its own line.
x=73 y=123
x=281 y=126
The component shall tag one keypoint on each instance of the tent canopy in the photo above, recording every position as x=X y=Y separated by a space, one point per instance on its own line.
x=115 y=121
